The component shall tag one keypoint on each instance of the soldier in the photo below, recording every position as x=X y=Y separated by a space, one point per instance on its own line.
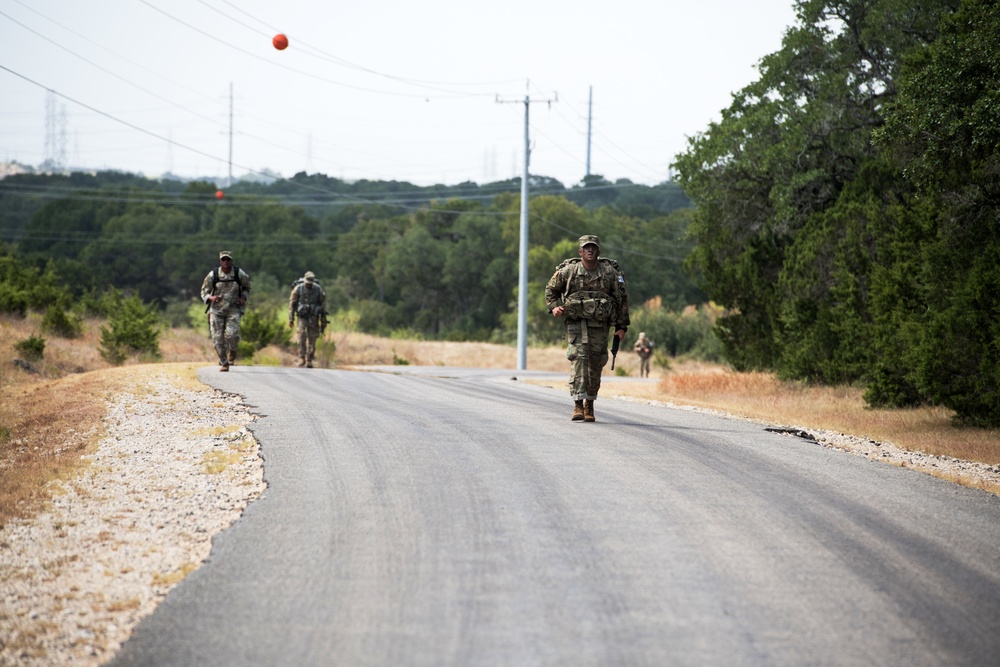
x=644 y=348
x=308 y=301
x=225 y=291
x=589 y=292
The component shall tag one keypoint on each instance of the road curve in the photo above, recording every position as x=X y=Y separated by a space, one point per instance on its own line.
x=443 y=516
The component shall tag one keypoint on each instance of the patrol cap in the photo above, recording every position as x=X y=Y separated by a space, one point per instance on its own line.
x=309 y=277
x=225 y=253
x=587 y=239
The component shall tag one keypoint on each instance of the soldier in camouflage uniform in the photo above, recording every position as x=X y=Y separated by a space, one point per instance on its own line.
x=225 y=291
x=308 y=301
x=590 y=294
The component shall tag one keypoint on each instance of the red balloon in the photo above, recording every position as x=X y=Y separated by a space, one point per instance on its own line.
x=280 y=42
x=219 y=194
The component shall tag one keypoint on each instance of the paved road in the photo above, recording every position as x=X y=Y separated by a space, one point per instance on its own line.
x=455 y=517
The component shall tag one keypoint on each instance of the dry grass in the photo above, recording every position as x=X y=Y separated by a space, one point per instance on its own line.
x=355 y=349
x=52 y=417
x=842 y=409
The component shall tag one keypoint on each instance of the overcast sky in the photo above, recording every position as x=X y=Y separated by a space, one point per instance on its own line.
x=377 y=89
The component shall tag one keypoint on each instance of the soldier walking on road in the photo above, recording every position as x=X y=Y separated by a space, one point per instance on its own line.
x=589 y=292
x=308 y=301
x=225 y=291
x=644 y=348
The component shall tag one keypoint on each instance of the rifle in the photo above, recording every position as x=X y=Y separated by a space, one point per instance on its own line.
x=614 y=349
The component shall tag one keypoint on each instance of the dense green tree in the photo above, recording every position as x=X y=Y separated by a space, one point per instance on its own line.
x=943 y=128
x=773 y=170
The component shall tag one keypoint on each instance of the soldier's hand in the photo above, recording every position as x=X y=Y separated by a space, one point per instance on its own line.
x=557 y=311
x=291 y=324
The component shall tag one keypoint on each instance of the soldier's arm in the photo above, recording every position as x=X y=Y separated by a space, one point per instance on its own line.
x=206 y=288
x=247 y=282
x=554 y=291
x=622 y=320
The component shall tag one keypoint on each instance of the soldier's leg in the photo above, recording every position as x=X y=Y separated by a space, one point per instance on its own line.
x=597 y=354
x=576 y=353
x=232 y=342
x=312 y=335
x=217 y=324
x=302 y=334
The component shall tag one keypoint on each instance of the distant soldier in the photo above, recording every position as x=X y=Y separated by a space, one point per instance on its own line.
x=225 y=291
x=589 y=292
x=308 y=302
x=644 y=348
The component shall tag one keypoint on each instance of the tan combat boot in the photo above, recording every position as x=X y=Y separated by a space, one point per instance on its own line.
x=232 y=356
x=588 y=411
x=578 y=411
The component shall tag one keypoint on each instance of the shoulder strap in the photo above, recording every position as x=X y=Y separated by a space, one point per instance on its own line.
x=234 y=279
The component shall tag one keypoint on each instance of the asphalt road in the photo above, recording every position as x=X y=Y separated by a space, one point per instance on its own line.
x=457 y=517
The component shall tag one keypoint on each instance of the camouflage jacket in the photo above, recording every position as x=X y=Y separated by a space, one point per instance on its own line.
x=234 y=287
x=599 y=295
x=306 y=302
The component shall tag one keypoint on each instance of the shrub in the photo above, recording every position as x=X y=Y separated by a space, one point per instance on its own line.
x=61 y=323
x=262 y=327
x=31 y=348
x=133 y=328
x=326 y=351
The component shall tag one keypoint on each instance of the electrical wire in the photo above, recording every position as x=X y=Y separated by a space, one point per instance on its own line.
x=451 y=95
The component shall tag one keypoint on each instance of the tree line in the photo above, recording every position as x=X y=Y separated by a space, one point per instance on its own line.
x=420 y=266
x=846 y=204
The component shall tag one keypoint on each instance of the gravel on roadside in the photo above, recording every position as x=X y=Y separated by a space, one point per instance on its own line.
x=968 y=473
x=175 y=467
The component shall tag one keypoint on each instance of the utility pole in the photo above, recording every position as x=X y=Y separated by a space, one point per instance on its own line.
x=230 y=183
x=522 y=283
x=590 y=115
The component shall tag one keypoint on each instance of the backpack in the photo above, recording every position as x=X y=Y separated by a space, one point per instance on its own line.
x=298 y=281
x=576 y=260
x=235 y=279
x=594 y=306
x=307 y=309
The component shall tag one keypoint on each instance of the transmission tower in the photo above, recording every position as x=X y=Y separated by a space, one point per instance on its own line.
x=56 y=122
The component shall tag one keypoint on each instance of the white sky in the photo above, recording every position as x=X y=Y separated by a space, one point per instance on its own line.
x=378 y=89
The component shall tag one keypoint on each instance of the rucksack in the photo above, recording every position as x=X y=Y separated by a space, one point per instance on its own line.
x=593 y=306
x=235 y=279
x=576 y=260
x=298 y=281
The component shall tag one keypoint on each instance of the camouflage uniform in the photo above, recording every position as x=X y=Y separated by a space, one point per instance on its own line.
x=644 y=348
x=595 y=303
x=225 y=314
x=308 y=301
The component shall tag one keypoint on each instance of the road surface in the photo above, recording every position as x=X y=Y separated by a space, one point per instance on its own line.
x=440 y=516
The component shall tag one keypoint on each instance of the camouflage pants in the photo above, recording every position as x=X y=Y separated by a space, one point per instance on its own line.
x=225 y=334
x=643 y=365
x=587 y=351
x=308 y=331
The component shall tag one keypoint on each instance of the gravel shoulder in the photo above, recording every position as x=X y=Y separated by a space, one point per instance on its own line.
x=967 y=473
x=176 y=466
